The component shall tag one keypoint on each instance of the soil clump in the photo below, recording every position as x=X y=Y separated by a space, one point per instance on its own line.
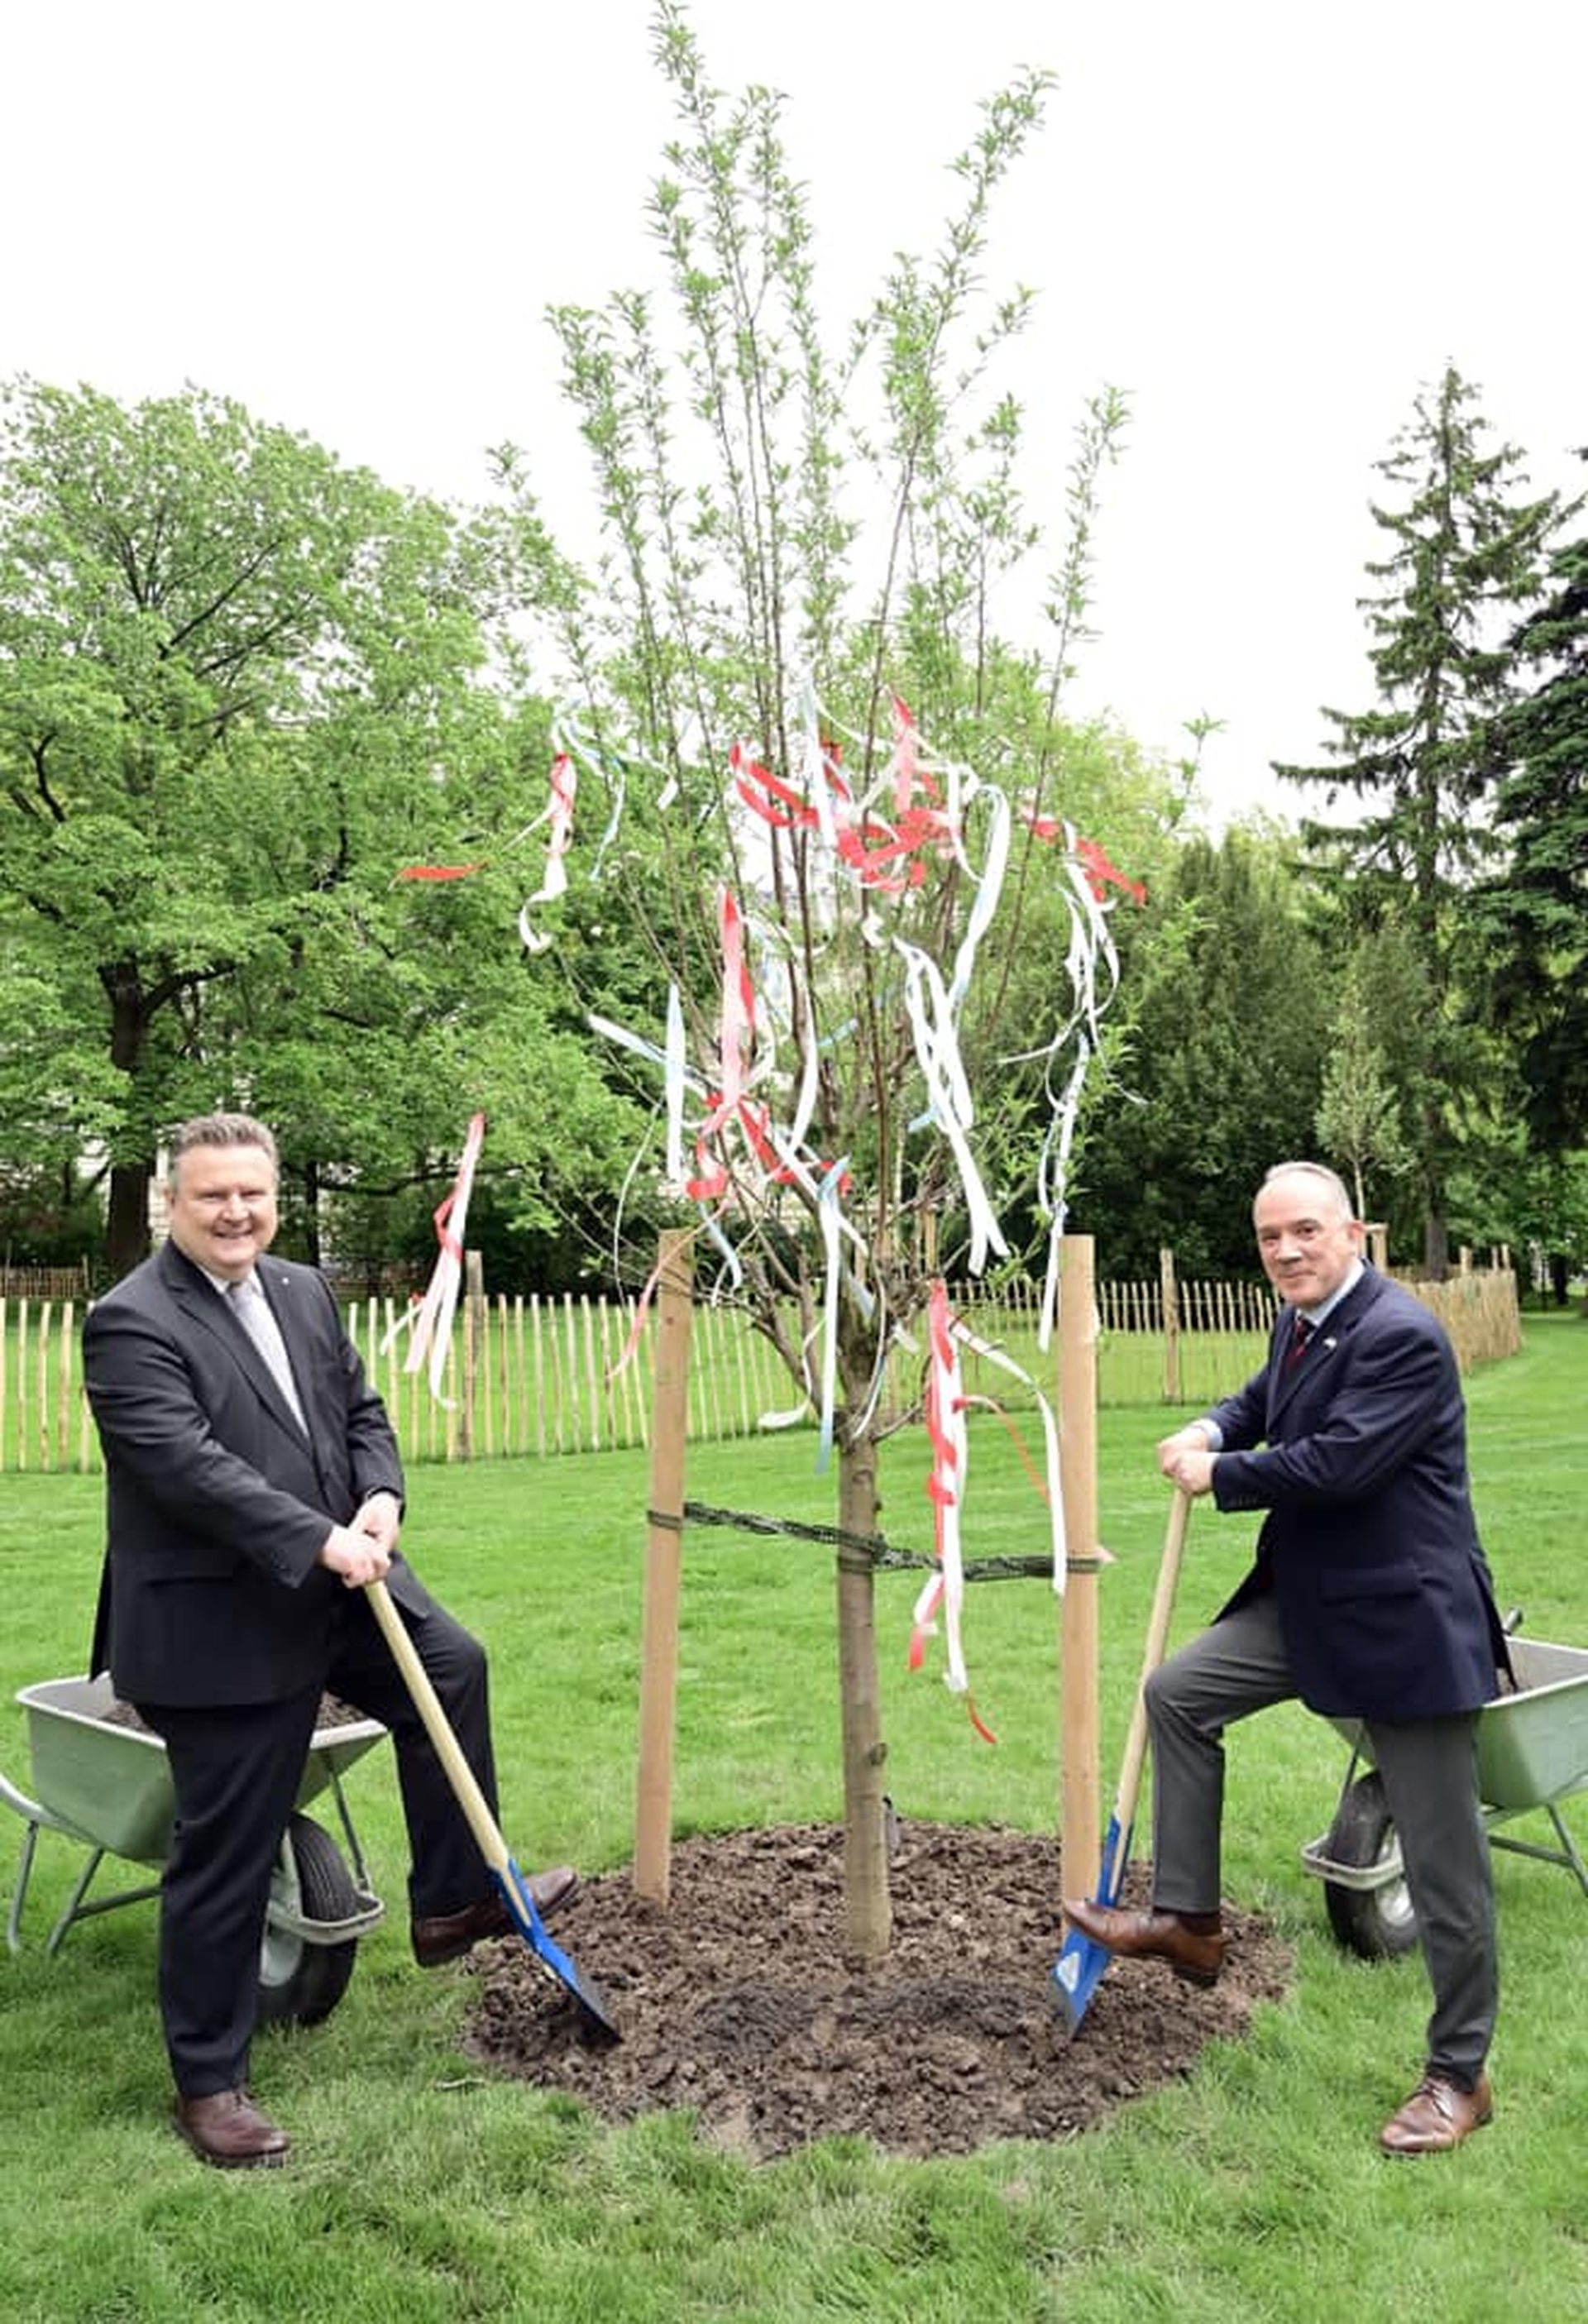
x=734 y=2000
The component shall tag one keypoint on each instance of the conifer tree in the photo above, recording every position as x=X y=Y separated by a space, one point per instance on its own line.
x=1466 y=553
x=1535 y=926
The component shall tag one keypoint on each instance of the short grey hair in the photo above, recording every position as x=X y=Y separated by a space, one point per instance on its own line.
x=1322 y=1173
x=221 y=1129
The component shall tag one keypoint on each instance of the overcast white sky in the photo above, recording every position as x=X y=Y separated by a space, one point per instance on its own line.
x=1270 y=224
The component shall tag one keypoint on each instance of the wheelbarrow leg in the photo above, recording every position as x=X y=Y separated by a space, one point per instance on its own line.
x=1567 y=1854
x=58 y=1934
x=1569 y=1848
x=19 y=1894
x=345 y=1813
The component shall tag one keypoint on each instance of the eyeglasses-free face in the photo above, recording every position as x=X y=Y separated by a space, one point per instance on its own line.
x=223 y=1207
x=1306 y=1241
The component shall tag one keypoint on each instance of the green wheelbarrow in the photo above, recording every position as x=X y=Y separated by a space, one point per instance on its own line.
x=1532 y=1754
x=101 y=1778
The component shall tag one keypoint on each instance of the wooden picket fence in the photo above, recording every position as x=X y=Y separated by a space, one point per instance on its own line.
x=531 y=1376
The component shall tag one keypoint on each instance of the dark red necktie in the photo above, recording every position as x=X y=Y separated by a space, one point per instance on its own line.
x=1300 y=1334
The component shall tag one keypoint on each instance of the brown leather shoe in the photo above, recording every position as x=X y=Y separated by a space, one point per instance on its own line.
x=1197 y=1955
x=228 y=2129
x=447 y=1936
x=1439 y=2114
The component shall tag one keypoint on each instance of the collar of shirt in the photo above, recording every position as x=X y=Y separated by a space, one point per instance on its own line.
x=1325 y=1308
x=222 y=1283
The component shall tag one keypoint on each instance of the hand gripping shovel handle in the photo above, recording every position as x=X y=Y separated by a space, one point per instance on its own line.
x=1082 y=1962
x=514 y=1887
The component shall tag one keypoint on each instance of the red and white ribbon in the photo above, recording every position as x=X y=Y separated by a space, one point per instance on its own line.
x=432 y=1329
x=745 y=1111
x=944 y=1592
x=559 y=813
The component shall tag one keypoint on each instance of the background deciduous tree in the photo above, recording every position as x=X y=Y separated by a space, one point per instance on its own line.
x=1359 y=1105
x=243 y=690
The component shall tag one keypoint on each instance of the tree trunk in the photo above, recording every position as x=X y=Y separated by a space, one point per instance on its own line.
x=126 y=1209
x=868 y=1906
x=1435 y=1223
x=311 y=1238
x=126 y=1218
x=1436 y=1213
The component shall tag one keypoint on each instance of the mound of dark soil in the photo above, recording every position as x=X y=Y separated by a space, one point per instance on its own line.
x=735 y=2001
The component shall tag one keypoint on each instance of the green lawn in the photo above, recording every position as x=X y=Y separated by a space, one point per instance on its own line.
x=421 y=2189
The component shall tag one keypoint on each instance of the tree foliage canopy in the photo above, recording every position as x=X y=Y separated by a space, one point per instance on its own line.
x=243 y=690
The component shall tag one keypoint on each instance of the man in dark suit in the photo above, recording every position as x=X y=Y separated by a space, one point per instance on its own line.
x=1370 y=1598
x=253 y=1485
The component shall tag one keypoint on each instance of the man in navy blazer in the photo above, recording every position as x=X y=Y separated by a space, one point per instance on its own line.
x=1370 y=1598
x=253 y=1485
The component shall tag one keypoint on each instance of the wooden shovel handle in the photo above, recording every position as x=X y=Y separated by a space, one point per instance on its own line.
x=1158 y=1631
x=448 y=1750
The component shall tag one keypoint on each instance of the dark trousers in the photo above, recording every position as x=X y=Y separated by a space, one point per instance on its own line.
x=236 y=1772
x=1429 y=1769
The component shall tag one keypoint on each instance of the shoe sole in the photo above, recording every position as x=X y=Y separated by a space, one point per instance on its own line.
x=1204 y=1977
x=448 y=1953
x=273 y=2161
x=1438 y=2146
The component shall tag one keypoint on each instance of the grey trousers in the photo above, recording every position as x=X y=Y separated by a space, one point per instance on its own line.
x=1429 y=1769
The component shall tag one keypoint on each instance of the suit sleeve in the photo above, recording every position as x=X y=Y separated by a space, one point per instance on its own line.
x=156 y=1431
x=1396 y=1390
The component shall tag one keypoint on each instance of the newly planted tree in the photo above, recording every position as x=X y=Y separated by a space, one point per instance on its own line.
x=845 y=814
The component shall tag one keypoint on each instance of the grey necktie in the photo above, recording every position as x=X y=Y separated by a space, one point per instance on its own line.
x=252 y=1311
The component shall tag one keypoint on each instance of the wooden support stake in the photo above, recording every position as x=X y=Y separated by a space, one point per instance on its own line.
x=1081 y=1801
x=664 y=1561
x=1171 y=1327
x=474 y=1304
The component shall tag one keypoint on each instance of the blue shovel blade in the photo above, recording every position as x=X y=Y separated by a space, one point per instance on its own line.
x=1076 y=1974
x=521 y=1904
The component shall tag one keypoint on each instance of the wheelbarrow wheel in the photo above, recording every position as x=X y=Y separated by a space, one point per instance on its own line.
x=300 y=1983
x=1380 y=1921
